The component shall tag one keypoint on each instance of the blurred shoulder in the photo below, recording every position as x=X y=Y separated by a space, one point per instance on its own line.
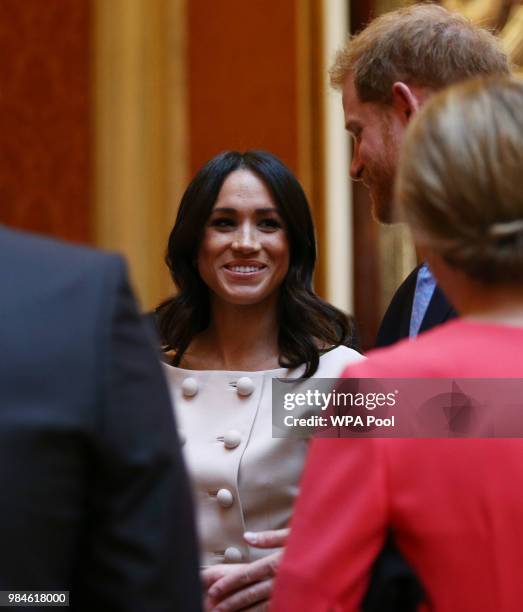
x=333 y=361
x=38 y=255
x=426 y=356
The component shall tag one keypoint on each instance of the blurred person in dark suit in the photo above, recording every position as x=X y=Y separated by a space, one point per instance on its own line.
x=455 y=506
x=385 y=73
x=95 y=499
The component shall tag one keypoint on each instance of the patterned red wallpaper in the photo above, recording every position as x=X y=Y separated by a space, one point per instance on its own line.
x=45 y=133
x=242 y=75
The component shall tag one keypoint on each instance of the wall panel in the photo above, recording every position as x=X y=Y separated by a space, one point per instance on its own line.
x=242 y=69
x=45 y=116
x=140 y=127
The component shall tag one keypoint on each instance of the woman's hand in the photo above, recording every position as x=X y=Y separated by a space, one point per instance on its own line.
x=245 y=586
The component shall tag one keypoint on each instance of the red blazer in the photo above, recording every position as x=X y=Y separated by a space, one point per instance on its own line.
x=455 y=506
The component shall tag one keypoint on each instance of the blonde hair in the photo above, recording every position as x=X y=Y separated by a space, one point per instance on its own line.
x=460 y=178
x=424 y=45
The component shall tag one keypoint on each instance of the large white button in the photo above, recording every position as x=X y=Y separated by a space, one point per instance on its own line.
x=244 y=386
x=190 y=387
x=232 y=438
x=225 y=498
x=232 y=555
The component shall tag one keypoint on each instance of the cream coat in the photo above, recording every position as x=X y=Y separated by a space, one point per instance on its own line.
x=243 y=478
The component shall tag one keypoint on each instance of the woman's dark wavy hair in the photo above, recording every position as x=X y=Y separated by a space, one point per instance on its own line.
x=306 y=322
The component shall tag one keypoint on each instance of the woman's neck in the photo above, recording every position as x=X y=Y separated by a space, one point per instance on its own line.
x=496 y=305
x=488 y=302
x=238 y=338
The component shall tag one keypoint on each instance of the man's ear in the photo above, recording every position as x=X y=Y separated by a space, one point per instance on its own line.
x=404 y=101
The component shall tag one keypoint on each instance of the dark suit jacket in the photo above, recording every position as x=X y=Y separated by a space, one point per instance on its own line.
x=396 y=321
x=94 y=495
x=393 y=585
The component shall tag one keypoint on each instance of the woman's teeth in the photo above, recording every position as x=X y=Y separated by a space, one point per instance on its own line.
x=244 y=269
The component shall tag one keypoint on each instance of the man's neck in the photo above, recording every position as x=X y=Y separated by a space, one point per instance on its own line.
x=498 y=306
x=493 y=302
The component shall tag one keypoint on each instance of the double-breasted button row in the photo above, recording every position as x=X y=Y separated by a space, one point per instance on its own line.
x=232 y=555
x=190 y=387
x=232 y=439
x=225 y=498
x=244 y=386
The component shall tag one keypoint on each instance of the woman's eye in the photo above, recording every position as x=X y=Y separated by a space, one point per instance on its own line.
x=270 y=223
x=221 y=222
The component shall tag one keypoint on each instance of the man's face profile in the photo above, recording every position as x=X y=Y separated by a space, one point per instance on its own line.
x=376 y=137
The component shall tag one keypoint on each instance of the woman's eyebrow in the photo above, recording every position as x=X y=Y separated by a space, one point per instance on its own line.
x=268 y=210
x=223 y=209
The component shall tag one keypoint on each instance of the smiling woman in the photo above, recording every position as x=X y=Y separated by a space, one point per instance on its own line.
x=242 y=255
x=241 y=210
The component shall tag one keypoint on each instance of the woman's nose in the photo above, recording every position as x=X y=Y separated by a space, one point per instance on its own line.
x=245 y=239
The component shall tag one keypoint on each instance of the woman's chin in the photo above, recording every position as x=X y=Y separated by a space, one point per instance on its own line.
x=244 y=297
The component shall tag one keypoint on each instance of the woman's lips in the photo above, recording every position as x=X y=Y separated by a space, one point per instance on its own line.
x=244 y=270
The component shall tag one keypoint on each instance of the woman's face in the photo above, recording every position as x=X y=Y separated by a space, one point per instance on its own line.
x=244 y=254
